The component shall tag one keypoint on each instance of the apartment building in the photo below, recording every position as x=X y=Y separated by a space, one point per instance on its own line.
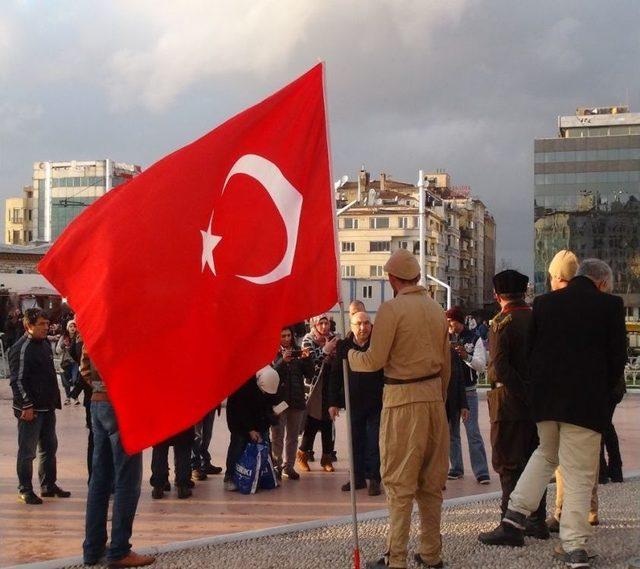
x=383 y=215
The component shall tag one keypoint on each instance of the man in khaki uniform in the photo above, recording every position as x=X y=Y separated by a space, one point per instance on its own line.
x=410 y=341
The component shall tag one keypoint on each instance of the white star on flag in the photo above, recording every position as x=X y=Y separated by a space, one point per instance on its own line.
x=209 y=243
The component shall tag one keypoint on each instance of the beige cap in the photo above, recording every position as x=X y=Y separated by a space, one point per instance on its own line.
x=564 y=265
x=402 y=264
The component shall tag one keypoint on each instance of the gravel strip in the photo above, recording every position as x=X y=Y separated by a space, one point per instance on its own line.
x=615 y=541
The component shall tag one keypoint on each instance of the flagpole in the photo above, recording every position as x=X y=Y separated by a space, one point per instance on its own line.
x=341 y=329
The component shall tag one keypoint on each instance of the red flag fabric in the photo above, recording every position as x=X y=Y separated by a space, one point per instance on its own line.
x=182 y=278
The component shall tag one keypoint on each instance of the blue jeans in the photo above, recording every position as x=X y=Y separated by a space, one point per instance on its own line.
x=111 y=466
x=37 y=435
x=474 y=438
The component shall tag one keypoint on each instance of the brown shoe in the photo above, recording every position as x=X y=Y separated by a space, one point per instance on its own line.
x=302 y=462
x=327 y=463
x=133 y=559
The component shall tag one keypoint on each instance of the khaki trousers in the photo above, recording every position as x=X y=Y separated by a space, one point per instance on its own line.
x=577 y=451
x=593 y=510
x=414 y=460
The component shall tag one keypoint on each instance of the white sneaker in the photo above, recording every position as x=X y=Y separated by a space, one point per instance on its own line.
x=230 y=486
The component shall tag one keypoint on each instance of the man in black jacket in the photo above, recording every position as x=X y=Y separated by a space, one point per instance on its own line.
x=249 y=416
x=577 y=347
x=365 y=390
x=35 y=398
x=513 y=432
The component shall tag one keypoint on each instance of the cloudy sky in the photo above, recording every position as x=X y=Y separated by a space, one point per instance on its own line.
x=463 y=85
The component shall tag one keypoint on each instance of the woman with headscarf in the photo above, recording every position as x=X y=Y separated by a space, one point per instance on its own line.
x=321 y=344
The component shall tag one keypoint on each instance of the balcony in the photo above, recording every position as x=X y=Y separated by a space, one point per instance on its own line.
x=466 y=233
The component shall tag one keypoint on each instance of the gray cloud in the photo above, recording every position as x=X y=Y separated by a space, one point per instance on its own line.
x=464 y=85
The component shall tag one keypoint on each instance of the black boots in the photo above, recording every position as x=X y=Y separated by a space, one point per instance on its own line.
x=510 y=531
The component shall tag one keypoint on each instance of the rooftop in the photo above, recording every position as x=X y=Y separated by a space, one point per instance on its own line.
x=599 y=116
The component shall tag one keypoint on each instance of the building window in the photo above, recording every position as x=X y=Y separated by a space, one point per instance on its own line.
x=416 y=221
x=350 y=223
x=403 y=222
x=30 y=236
x=376 y=271
x=379 y=246
x=348 y=270
x=379 y=223
x=367 y=291
x=403 y=245
x=30 y=214
x=348 y=246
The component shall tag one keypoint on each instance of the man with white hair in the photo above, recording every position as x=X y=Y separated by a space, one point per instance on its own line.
x=365 y=396
x=577 y=347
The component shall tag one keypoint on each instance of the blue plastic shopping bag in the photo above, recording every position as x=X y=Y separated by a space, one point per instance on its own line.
x=268 y=479
x=247 y=472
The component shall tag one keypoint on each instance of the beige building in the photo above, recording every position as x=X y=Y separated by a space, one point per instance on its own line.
x=383 y=216
x=19 y=218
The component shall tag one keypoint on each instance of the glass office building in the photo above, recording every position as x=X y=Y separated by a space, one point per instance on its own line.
x=587 y=195
x=63 y=190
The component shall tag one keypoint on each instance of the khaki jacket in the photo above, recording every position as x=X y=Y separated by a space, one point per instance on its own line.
x=409 y=340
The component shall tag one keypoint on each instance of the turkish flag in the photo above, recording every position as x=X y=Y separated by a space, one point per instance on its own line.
x=182 y=278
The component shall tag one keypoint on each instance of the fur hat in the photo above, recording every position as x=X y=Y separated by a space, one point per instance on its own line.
x=564 y=265
x=402 y=264
x=510 y=282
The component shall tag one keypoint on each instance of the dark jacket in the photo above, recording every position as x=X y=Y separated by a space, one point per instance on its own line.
x=456 y=392
x=464 y=373
x=249 y=409
x=365 y=388
x=509 y=364
x=33 y=376
x=292 y=374
x=577 y=354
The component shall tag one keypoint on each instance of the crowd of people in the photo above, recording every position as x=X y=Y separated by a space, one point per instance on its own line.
x=554 y=370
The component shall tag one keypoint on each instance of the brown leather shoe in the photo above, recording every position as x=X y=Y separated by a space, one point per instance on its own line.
x=327 y=463
x=133 y=559
x=302 y=462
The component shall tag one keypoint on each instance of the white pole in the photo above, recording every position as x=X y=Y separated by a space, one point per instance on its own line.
x=421 y=228
x=446 y=287
x=345 y=370
x=46 y=234
x=352 y=473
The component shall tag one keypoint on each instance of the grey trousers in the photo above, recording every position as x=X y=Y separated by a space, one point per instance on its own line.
x=285 y=435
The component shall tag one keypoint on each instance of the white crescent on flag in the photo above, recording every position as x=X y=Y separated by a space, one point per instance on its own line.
x=288 y=201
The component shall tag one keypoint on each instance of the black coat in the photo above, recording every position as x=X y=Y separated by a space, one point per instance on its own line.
x=577 y=354
x=249 y=409
x=365 y=387
x=509 y=364
x=456 y=391
x=292 y=374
